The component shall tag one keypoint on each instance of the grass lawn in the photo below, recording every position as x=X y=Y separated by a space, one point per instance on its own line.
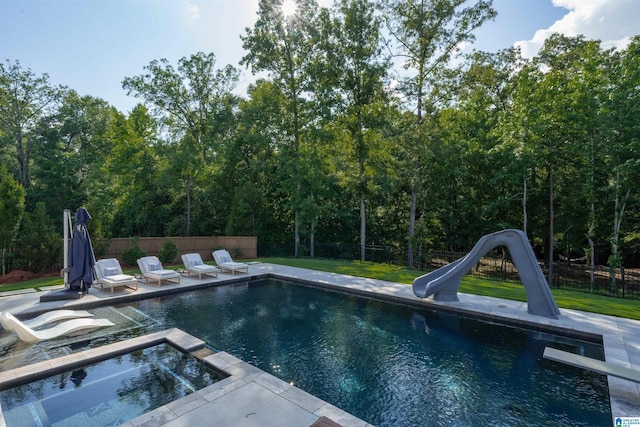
x=493 y=288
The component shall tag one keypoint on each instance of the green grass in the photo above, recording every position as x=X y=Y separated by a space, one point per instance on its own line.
x=493 y=288
x=43 y=282
x=513 y=291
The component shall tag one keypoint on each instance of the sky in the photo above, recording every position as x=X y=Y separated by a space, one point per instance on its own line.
x=92 y=45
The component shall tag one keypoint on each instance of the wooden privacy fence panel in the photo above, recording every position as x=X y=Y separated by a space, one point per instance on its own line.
x=238 y=246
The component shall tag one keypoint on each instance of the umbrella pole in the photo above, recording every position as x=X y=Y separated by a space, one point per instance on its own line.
x=66 y=221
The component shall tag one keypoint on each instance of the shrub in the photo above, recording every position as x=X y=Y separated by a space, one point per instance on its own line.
x=236 y=252
x=168 y=252
x=38 y=247
x=131 y=255
x=100 y=247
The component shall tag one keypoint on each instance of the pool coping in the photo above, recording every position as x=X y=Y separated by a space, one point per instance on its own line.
x=619 y=336
x=238 y=377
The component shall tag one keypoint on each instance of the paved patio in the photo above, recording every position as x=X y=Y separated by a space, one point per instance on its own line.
x=251 y=397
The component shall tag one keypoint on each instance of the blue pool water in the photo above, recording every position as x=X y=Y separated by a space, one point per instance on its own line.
x=107 y=393
x=389 y=364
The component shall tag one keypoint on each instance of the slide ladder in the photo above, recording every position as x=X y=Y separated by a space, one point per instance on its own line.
x=444 y=282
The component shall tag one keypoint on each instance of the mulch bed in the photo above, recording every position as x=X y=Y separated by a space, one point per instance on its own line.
x=20 y=276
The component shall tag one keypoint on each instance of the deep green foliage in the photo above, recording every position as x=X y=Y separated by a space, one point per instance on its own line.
x=131 y=255
x=324 y=149
x=11 y=209
x=168 y=251
x=39 y=247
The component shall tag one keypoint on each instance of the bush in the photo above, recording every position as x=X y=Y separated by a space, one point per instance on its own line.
x=168 y=252
x=236 y=252
x=131 y=255
x=38 y=247
x=100 y=247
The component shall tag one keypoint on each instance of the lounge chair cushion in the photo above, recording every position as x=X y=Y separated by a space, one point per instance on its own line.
x=118 y=278
x=111 y=271
x=226 y=263
x=107 y=267
x=153 y=266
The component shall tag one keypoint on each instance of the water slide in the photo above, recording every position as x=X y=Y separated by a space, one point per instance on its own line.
x=444 y=282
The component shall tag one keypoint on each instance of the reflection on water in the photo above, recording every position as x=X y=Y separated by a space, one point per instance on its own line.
x=109 y=392
x=387 y=364
x=129 y=323
x=393 y=365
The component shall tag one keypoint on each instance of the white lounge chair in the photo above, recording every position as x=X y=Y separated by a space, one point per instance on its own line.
x=109 y=273
x=43 y=319
x=152 y=271
x=27 y=334
x=225 y=263
x=194 y=265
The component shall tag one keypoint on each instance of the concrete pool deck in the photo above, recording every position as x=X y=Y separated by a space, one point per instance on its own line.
x=256 y=398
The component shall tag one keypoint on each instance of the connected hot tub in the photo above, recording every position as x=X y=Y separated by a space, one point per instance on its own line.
x=105 y=386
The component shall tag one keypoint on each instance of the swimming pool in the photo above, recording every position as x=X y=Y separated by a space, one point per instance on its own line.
x=391 y=364
x=109 y=392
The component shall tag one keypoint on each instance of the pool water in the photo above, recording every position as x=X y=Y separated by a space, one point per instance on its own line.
x=109 y=392
x=390 y=364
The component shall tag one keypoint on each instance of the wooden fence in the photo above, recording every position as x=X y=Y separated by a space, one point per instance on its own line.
x=238 y=246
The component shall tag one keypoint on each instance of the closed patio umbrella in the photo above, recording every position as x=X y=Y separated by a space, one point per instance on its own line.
x=81 y=257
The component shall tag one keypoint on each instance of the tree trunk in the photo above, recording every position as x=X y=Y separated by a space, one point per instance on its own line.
x=363 y=227
x=416 y=166
x=312 y=241
x=188 y=191
x=524 y=207
x=614 y=263
x=296 y=225
x=412 y=227
x=550 y=278
x=22 y=152
x=312 y=236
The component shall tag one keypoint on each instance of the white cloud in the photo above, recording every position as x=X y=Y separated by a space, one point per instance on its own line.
x=192 y=12
x=613 y=22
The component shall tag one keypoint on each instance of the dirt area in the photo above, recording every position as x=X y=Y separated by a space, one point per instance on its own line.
x=20 y=276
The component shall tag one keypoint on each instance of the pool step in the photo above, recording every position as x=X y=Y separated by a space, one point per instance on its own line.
x=591 y=364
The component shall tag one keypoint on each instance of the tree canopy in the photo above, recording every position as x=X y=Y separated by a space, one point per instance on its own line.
x=339 y=142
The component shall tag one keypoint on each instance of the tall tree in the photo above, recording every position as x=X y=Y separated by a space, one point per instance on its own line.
x=428 y=33
x=71 y=144
x=133 y=201
x=561 y=111
x=351 y=68
x=622 y=149
x=189 y=100
x=280 y=44
x=12 y=197
x=24 y=98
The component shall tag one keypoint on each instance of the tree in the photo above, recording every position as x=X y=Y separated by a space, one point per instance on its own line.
x=249 y=166
x=428 y=33
x=24 y=98
x=12 y=197
x=72 y=143
x=38 y=248
x=128 y=191
x=562 y=105
x=351 y=70
x=190 y=101
x=281 y=46
x=622 y=149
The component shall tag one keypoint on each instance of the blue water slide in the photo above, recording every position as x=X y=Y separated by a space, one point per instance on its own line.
x=444 y=282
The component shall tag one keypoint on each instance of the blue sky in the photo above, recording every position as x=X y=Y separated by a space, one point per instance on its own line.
x=92 y=45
